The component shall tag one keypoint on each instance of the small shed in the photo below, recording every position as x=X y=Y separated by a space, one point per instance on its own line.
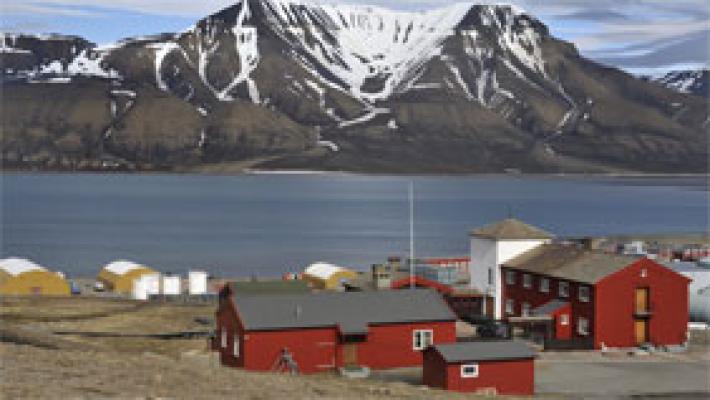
x=19 y=276
x=496 y=367
x=323 y=275
x=118 y=276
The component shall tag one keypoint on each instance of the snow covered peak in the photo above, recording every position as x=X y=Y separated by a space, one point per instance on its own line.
x=693 y=81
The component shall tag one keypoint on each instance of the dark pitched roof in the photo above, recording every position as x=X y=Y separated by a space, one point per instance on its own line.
x=484 y=351
x=269 y=287
x=511 y=228
x=548 y=308
x=570 y=262
x=351 y=312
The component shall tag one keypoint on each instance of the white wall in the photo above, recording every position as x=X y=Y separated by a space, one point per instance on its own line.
x=171 y=285
x=490 y=254
x=197 y=282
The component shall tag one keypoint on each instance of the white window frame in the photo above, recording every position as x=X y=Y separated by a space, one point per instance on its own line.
x=525 y=309
x=510 y=277
x=509 y=306
x=422 y=338
x=235 y=345
x=565 y=292
x=471 y=374
x=584 y=293
x=527 y=281
x=564 y=319
x=223 y=337
x=546 y=287
x=582 y=323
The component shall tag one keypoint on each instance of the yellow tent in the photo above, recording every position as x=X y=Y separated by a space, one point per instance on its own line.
x=19 y=276
x=328 y=276
x=118 y=276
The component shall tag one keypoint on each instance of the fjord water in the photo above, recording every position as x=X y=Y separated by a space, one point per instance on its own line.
x=268 y=224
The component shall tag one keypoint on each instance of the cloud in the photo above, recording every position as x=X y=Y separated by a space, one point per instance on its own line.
x=24 y=8
x=690 y=49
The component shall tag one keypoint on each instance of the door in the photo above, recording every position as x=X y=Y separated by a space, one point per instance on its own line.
x=641 y=329
x=350 y=354
x=641 y=300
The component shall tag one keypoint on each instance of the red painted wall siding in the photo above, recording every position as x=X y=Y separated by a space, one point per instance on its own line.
x=563 y=332
x=313 y=349
x=536 y=298
x=390 y=346
x=668 y=296
x=511 y=377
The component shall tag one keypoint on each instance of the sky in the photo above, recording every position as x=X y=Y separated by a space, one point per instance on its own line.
x=640 y=36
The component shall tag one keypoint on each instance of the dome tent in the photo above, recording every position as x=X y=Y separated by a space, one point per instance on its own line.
x=19 y=276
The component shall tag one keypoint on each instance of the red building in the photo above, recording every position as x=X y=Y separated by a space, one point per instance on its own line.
x=594 y=298
x=318 y=332
x=500 y=367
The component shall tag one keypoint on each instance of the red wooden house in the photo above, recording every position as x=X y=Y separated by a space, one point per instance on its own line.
x=596 y=298
x=500 y=367
x=317 y=332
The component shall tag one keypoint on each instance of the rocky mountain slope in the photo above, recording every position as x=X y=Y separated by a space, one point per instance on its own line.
x=695 y=82
x=285 y=84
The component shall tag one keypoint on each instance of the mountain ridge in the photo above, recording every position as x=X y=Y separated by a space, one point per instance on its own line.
x=466 y=88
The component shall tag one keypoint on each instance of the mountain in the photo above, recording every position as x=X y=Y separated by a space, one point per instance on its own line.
x=695 y=82
x=285 y=84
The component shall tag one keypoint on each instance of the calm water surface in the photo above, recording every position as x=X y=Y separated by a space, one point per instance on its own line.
x=268 y=224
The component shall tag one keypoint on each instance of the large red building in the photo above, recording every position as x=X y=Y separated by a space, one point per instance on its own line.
x=318 y=332
x=499 y=367
x=597 y=298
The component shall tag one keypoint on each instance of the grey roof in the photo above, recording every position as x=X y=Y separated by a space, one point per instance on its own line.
x=570 y=262
x=549 y=307
x=484 y=351
x=511 y=228
x=242 y=288
x=351 y=312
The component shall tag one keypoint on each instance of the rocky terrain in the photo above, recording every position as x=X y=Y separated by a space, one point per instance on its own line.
x=278 y=84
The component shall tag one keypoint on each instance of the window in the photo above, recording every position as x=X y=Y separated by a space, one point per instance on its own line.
x=527 y=281
x=469 y=371
x=644 y=272
x=510 y=277
x=584 y=294
x=223 y=338
x=564 y=319
x=235 y=345
x=583 y=326
x=490 y=276
x=544 y=285
x=525 y=311
x=564 y=289
x=509 y=306
x=422 y=338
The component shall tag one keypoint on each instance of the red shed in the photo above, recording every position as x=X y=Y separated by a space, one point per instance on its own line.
x=501 y=367
x=597 y=299
x=328 y=330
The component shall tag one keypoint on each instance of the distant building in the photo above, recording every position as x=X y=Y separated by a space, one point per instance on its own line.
x=327 y=276
x=594 y=298
x=197 y=282
x=490 y=367
x=19 y=276
x=268 y=287
x=119 y=276
x=466 y=303
x=320 y=332
x=495 y=244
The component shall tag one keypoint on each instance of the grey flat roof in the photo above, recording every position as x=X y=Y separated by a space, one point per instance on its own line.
x=484 y=351
x=351 y=312
x=547 y=308
x=570 y=262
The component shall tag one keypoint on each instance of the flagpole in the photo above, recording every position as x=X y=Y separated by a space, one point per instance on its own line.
x=411 y=234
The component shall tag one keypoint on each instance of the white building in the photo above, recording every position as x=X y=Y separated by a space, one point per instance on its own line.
x=197 y=282
x=172 y=285
x=146 y=285
x=495 y=244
